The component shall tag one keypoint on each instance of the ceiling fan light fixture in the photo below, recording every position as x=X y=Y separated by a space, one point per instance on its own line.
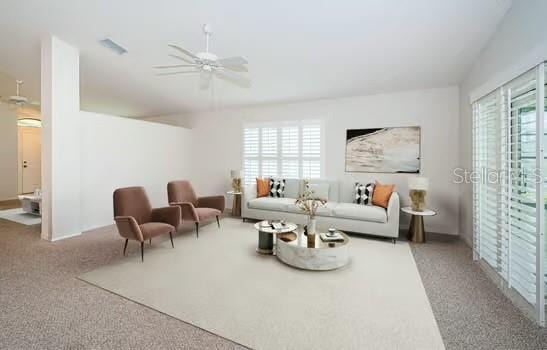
x=29 y=122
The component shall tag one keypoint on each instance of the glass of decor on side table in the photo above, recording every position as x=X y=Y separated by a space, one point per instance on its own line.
x=418 y=187
x=308 y=203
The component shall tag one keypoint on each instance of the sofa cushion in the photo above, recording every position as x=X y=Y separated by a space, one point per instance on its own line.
x=277 y=188
x=360 y=212
x=320 y=191
x=324 y=210
x=271 y=203
x=292 y=188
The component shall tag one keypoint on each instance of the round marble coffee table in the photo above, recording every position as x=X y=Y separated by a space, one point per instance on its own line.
x=266 y=235
x=311 y=252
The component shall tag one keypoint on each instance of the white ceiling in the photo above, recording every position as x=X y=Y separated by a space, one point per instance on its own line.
x=298 y=50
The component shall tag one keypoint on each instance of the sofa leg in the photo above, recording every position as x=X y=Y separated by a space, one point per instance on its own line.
x=125 y=246
x=218 y=222
x=150 y=240
x=197 y=229
x=142 y=251
x=243 y=219
x=394 y=240
x=171 y=236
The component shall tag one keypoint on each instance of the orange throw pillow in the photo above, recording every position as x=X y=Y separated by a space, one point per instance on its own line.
x=262 y=187
x=381 y=194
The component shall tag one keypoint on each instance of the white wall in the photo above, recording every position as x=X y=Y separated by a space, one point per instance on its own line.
x=120 y=152
x=8 y=154
x=519 y=43
x=217 y=140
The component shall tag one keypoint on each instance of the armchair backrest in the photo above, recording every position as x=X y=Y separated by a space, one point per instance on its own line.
x=132 y=201
x=181 y=191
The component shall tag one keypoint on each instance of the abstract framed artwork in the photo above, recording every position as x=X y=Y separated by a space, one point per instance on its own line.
x=383 y=150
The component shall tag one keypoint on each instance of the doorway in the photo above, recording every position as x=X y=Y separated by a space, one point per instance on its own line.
x=29 y=159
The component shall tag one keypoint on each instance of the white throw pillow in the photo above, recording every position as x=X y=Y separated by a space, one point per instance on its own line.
x=321 y=191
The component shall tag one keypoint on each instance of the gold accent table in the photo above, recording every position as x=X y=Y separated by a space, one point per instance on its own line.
x=236 y=204
x=416 y=232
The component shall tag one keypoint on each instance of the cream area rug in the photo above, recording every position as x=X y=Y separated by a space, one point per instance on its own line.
x=219 y=283
x=19 y=216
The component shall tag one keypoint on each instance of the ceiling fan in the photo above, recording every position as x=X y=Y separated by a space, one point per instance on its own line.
x=208 y=65
x=18 y=99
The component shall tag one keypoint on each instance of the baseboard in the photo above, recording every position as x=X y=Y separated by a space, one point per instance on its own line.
x=65 y=237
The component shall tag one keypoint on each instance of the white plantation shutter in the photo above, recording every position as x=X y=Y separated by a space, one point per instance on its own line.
x=287 y=150
x=290 y=152
x=523 y=206
x=311 y=151
x=251 y=146
x=508 y=201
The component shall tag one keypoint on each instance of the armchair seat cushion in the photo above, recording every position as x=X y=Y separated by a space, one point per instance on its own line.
x=152 y=229
x=207 y=213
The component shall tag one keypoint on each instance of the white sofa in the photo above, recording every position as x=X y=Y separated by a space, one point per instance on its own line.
x=339 y=211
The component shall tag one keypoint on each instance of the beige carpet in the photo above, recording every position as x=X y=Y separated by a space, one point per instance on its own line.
x=219 y=283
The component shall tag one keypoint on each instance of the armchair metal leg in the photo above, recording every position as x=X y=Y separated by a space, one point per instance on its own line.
x=171 y=236
x=218 y=222
x=125 y=246
x=142 y=251
x=197 y=229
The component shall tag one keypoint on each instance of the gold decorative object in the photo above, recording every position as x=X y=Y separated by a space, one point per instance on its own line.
x=418 y=189
x=236 y=185
x=417 y=198
x=236 y=180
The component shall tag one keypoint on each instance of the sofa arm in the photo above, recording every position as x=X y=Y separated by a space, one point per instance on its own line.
x=393 y=207
x=169 y=215
x=187 y=211
x=129 y=228
x=216 y=202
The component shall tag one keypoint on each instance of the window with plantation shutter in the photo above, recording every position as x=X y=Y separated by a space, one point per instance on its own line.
x=286 y=149
x=508 y=201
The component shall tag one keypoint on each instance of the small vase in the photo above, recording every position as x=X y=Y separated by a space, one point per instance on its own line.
x=311 y=233
x=312 y=226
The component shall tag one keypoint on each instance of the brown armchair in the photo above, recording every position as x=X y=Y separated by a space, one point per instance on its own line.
x=136 y=219
x=194 y=208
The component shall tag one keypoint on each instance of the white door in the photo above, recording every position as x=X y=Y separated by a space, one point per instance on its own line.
x=31 y=152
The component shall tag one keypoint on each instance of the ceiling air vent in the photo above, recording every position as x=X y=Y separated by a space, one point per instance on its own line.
x=109 y=44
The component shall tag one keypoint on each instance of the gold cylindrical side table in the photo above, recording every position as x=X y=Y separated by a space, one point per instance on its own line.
x=416 y=232
x=236 y=204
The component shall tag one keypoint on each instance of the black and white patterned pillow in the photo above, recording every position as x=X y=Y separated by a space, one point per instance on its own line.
x=277 y=188
x=363 y=193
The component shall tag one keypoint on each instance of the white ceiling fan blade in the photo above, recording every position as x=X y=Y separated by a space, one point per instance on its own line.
x=204 y=79
x=236 y=68
x=232 y=61
x=233 y=78
x=176 y=66
x=175 y=73
x=181 y=58
x=184 y=51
